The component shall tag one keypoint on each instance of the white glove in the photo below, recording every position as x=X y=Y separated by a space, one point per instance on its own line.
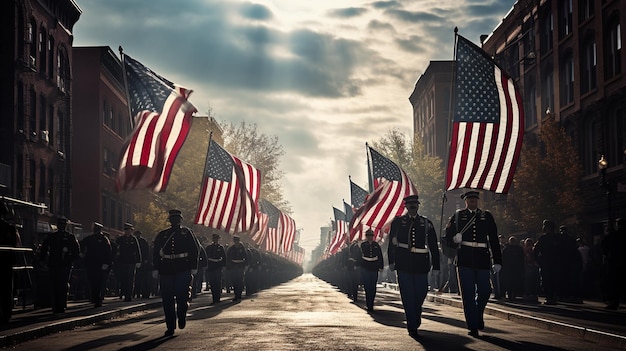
x=497 y=268
x=392 y=267
x=105 y=266
x=194 y=271
x=155 y=274
x=457 y=238
x=138 y=264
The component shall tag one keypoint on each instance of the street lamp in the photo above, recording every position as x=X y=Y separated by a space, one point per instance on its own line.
x=603 y=164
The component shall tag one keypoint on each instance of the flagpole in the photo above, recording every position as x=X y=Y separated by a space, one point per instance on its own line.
x=130 y=114
x=444 y=198
x=206 y=162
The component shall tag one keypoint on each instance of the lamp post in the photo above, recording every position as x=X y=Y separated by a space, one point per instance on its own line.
x=603 y=164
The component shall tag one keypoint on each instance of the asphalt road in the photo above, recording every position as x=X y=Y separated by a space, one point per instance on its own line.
x=305 y=314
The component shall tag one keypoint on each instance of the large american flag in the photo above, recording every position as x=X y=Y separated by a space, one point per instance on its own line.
x=391 y=186
x=259 y=231
x=161 y=116
x=488 y=123
x=341 y=232
x=357 y=195
x=230 y=192
x=288 y=230
x=273 y=236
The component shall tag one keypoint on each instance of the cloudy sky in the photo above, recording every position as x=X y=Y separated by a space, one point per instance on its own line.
x=325 y=76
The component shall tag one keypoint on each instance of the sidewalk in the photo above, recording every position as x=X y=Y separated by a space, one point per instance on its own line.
x=588 y=321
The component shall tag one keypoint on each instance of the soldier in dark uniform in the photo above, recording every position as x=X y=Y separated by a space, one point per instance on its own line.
x=252 y=275
x=411 y=252
x=96 y=249
x=175 y=260
x=352 y=261
x=548 y=252
x=128 y=259
x=236 y=262
x=216 y=260
x=143 y=279
x=9 y=237
x=198 y=277
x=474 y=232
x=62 y=249
x=371 y=264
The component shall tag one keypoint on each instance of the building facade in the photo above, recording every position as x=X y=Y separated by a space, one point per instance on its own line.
x=566 y=56
x=36 y=111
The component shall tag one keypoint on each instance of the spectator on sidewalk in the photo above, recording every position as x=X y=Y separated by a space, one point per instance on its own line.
x=531 y=272
x=512 y=269
x=568 y=289
x=585 y=277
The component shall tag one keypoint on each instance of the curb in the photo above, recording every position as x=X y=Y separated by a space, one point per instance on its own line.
x=597 y=336
x=71 y=323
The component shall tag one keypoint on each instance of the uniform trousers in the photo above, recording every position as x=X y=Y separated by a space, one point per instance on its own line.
x=175 y=294
x=369 y=278
x=127 y=279
x=475 y=292
x=352 y=278
x=215 y=282
x=549 y=281
x=237 y=276
x=60 y=280
x=413 y=290
x=96 y=278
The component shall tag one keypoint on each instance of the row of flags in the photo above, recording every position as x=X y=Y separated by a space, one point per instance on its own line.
x=487 y=134
x=161 y=117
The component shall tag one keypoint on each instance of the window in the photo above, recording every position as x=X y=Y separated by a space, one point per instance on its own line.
x=565 y=18
x=616 y=136
x=32 y=121
x=530 y=110
x=547 y=89
x=42 y=113
x=107 y=162
x=588 y=67
x=567 y=79
x=51 y=124
x=593 y=144
x=42 y=182
x=21 y=106
x=31 y=181
x=50 y=58
x=51 y=207
x=613 y=47
x=32 y=41
x=43 y=53
x=63 y=68
x=547 y=27
x=586 y=9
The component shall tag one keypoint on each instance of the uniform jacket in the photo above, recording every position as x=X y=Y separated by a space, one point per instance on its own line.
x=481 y=230
x=62 y=249
x=216 y=256
x=144 y=248
x=175 y=250
x=548 y=250
x=408 y=235
x=237 y=257
x=128 y=250
x=352 y=256
x=371 y=256
x=97 y=250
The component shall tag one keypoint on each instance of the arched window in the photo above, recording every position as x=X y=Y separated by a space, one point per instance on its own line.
x=567 y=79
x=613 y=48
x=43 y=52
x=63 y=70
x=51 y=58
x=588 y=64
x=32 y=43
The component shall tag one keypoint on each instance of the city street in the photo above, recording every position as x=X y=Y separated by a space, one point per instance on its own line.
x=305 y=314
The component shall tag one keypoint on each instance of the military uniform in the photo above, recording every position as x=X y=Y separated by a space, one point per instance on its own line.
x=371 y=263
x=352 y=261
x=128 y=259
x=216 y=260
x=252 y=275
x=478 y=249
x=143 y=274
x=548 y=252
x=237 y=260
x=61 y=249
x=97 y=251
x=175 y=257
x=412 y=250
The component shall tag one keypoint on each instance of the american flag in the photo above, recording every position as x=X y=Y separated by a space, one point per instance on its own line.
x=341 y=232
x=347 y=208
x=288 y=231
x=273 y=237
x=357 y=195
x=259 y=232
x=162 y=118
x=391 y=186
x=230 y=192
x=488 y=123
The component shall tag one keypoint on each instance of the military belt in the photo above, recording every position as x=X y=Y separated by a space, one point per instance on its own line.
x=215 y=259
x=473 y=244
x=413 y=249
x=371 y=259
x=237 y=261
x=180 y=255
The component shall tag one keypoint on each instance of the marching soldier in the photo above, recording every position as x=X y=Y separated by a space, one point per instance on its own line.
x=253 y=273
x=61 y=248
x=237 y=260
x=175 y=260
x=216 y=260
x=474 y=232
x=412 y=250
x=96 y=249
x=128 y=259
x=371 y=264
x=352 y=261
